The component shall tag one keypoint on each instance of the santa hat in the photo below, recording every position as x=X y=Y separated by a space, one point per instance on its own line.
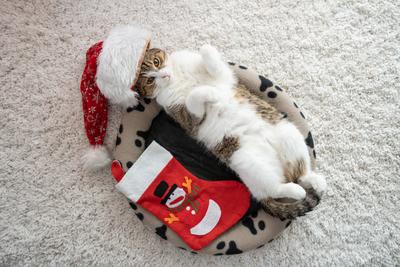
x=111 y=71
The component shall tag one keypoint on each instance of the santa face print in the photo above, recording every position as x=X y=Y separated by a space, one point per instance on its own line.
x=176 y=198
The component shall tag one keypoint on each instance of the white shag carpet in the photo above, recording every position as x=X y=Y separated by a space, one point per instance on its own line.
x=339 y=60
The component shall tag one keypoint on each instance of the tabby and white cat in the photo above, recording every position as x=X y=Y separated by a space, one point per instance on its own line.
x=200 y=92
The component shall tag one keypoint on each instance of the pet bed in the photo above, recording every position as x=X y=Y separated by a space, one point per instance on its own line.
x=145 y=124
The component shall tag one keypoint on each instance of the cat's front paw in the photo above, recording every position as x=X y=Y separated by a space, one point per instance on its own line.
x=198 y=98
x=197 y=110
x=212 y=60
x=209 y=51
x=195 y=104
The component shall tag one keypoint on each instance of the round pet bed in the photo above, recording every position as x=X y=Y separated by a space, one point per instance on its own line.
x=257 y=227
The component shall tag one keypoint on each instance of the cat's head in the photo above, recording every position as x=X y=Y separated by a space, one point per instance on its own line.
x=154 y=60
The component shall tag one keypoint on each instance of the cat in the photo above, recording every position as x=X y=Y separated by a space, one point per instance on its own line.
x=201 y=93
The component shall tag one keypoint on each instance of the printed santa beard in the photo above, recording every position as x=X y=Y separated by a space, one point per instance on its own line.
x=197 y=210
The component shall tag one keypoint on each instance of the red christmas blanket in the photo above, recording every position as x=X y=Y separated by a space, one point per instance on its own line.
x=196 y=209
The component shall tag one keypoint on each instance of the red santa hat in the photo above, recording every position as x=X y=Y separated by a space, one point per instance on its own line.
x=111 y=71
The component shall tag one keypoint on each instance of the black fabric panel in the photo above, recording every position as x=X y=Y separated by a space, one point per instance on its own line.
x=165 y=131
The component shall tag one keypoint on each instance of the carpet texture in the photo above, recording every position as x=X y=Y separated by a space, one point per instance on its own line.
x=338 y=59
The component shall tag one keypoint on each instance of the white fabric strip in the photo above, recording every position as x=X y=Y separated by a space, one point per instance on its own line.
x=138 y=178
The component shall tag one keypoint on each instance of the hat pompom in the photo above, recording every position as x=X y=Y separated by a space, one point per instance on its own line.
x=96 y=157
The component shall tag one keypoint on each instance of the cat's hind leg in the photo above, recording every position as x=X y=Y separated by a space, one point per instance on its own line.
x=315 y=181
x=259 y=168
x=290 y=190
x=293 y=150
x=198 y=98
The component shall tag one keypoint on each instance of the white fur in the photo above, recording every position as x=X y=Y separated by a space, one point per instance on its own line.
x=314 y=180
x=118 y=64
x=96 y=158
x=206 y=85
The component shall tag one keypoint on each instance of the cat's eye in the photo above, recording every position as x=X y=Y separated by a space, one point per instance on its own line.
x=156 y=62
x=150 y=80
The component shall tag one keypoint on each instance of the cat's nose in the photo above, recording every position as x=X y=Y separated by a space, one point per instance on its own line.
x=165 y=75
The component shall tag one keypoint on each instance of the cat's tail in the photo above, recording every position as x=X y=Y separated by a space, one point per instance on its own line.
x=315 y=186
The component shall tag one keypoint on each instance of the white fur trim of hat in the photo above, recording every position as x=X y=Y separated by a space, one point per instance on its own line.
x=119 y=63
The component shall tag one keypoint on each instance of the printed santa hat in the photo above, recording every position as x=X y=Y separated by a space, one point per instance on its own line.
x=111 y=71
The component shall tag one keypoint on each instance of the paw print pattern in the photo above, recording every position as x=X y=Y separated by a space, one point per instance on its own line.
x=265 y=83
x=129 y=164
x=253 y=224
x=231 y=248
x=271 y=94
x=309 y=140
x=138 y=143
x=138 y=214
x=143 y=135
x=118 y=141
x=161 y=231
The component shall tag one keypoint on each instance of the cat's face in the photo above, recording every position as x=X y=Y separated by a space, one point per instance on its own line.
x=154 y=60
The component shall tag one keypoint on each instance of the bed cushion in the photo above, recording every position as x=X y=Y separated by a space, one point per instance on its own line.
x=144 y=123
